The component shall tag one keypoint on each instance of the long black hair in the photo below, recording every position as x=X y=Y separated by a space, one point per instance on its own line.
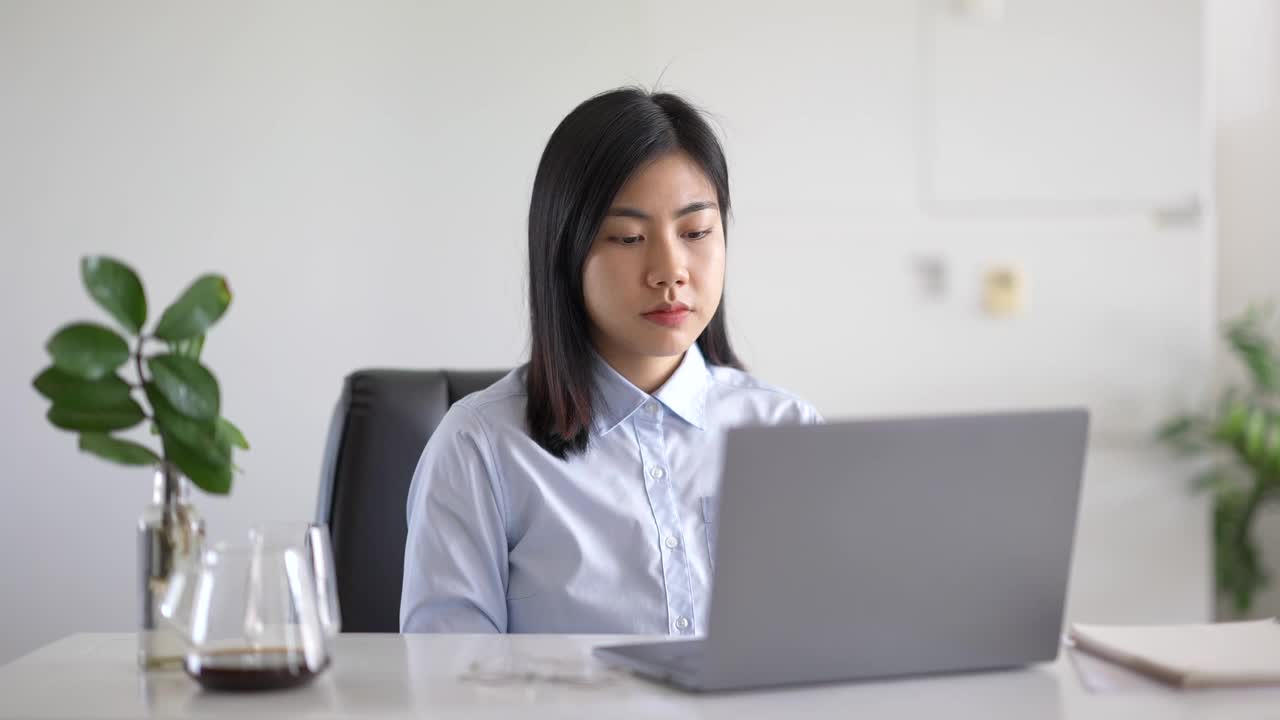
x=588 y=158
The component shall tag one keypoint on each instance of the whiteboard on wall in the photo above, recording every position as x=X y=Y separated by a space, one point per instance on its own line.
x=1055 y=106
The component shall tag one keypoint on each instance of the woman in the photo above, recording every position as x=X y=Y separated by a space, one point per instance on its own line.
x=577 y=493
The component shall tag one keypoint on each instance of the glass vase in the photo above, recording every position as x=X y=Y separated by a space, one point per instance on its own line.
x=170 y=535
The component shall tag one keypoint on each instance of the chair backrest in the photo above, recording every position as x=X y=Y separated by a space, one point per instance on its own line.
x=379 y=428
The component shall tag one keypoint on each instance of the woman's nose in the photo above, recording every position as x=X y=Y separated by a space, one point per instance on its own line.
x=668 y=265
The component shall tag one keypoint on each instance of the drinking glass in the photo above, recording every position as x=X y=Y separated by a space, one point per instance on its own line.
x=251 y=616
x=312 y=540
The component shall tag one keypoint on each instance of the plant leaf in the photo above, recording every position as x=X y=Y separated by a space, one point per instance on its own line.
x=117 y=450
x=195 y=310
x=198 y=436
x=87 y=351
x=72 y=392
x=117 y=289
x=125 y=415
x=1237 y=564
x=211 y=477
x=1254 y=435
x=231 y=434
x=189 y=348
x=1270 y=460
x=1212 y=479
x=188 y=386
x=1232 y=423
x=1186 y=433
x=1248 y=338
x=1175 y=427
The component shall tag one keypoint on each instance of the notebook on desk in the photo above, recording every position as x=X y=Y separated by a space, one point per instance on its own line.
x=1239 y=654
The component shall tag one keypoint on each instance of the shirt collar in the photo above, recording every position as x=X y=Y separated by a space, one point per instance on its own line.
x=684 y=393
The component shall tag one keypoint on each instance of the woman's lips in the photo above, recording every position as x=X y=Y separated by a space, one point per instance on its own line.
x=667 y=318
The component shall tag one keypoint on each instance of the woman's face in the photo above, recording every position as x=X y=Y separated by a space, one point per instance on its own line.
x=655 y=272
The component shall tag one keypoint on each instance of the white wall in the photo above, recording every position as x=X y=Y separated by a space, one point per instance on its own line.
x=1244 y=60
x=361 y=171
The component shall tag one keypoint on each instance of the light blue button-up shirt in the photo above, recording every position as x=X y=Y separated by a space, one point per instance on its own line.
x=505 y=537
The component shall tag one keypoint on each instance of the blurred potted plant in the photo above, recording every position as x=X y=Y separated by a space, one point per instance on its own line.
x=90 y=396
x=1240 y=438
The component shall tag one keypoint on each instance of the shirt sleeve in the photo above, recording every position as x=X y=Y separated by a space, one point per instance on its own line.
x=455 y=556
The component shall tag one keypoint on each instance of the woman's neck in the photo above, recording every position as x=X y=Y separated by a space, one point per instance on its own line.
x=647 y=372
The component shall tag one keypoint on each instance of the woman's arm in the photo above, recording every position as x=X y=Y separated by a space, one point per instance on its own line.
x=455 y=556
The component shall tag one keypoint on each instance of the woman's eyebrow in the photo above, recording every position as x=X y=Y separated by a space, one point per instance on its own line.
x=694 y=207
x=631 y=212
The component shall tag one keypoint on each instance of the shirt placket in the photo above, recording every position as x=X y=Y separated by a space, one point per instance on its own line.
x=676 y=573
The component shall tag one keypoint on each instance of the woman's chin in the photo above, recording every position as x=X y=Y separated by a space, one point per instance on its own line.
x=667 y=344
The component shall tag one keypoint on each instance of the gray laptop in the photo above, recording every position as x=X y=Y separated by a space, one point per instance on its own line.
x=868 y=549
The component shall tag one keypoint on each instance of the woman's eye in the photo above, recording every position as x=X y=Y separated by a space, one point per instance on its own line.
x=698 y=234
x=628 y=239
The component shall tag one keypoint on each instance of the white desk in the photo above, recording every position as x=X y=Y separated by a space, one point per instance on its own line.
x=390 y=676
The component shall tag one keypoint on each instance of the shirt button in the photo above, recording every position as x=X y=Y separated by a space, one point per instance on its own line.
x=673 y=542
x=682 y=623
x=652 y=408
x=657 y=473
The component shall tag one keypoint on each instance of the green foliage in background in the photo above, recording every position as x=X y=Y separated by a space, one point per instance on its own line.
x=92 y=393
x=1242 y=436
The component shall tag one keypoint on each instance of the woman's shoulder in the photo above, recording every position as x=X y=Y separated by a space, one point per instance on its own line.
x=767 y=401
x=482 y=422
x=498 y=406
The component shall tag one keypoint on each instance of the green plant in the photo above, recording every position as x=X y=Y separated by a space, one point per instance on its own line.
x=90 y=397
x=1242 y=437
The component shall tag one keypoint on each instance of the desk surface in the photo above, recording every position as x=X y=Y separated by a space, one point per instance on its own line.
x=391 y=676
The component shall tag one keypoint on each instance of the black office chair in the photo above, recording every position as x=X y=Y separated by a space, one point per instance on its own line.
x=379 y=428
